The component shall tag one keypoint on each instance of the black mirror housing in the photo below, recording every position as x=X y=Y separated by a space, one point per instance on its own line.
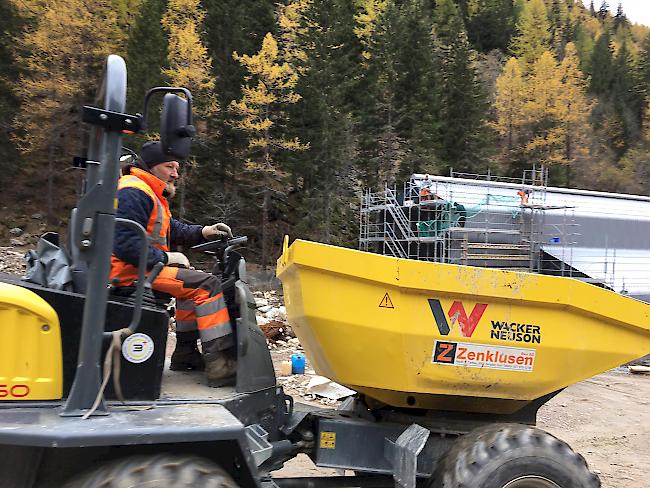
x=176 y=129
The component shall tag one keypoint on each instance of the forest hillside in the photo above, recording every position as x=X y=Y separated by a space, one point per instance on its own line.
x=303 y=103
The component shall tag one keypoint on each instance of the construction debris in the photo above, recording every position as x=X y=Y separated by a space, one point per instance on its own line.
x=639 y=369
x=310 y=388
x=272 y=316
x=324 y=387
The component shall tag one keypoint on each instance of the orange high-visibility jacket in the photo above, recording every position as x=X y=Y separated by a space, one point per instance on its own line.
x=157 y=227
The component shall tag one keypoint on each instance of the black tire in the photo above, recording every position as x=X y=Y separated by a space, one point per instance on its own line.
x=512 y=456
x=161 y=471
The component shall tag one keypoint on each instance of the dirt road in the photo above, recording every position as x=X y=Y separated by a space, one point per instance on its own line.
x=605 y=418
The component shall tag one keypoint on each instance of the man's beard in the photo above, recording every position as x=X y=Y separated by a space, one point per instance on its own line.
x=170 y=190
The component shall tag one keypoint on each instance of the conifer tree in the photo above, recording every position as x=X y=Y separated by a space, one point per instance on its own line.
x=460 y=96
x=447 y=20
x=620 y=19
x=294 y=28
x=261 y=114
x=418 y=71
x=541 y=112
x=10 y=26
x=601 y=65
x=370 y=11
x=126 y=11
x=324 y=176
x=603 y=11
x=644 y=70
x=233 y=25
x=627 y=103
x=533 y=36
x=190 y=64
x=146 y=49
x=560 y=26
x=381 y=148
x=557 y=111
x=510 y=100
x=269 y=88
x=394 y=116
x=490 y=24
x=584 y=43
x=573 y=110
x=230 y=25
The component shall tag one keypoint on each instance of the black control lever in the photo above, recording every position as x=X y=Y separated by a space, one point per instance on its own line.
x=155 y=271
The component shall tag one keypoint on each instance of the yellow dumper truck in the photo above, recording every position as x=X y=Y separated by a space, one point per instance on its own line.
x=450 y=348
x=450 y=363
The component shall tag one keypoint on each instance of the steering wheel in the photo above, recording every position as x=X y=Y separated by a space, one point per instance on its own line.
x=220 y=247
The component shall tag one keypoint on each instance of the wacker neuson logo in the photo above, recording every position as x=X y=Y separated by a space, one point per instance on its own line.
x=458 y=314
x=514 y=331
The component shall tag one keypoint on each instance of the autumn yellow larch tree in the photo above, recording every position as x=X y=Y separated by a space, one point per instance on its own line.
x=294 y=27
x=510 y=100
x=541 y=111
x=573 y=107
x=126 y=12
x=62 y=52
x=369 y=12
x=557 y=110
x=269 y=87
x=534 y=33
x=190 y=64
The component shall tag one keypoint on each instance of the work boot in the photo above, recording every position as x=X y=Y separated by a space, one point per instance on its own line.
x=186 y=355
x=220 y=369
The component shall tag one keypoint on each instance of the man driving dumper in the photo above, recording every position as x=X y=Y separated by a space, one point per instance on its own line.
x=201 y=310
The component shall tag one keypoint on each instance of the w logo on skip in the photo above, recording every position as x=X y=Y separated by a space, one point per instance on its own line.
x=456 y=314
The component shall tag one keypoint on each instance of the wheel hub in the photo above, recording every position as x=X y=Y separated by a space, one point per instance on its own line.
x=531 y=482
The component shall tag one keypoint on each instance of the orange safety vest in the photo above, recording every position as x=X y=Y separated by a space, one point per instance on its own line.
x=157 y=227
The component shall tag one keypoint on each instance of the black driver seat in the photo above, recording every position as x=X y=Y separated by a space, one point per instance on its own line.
x=151 y=298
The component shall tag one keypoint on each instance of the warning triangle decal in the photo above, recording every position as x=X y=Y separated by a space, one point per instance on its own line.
x=386 y=302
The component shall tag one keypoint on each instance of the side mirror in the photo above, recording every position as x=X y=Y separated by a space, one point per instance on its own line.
x=126 y=159
x=176 y=129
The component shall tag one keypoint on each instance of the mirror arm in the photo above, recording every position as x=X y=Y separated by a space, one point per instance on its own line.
x=189 y=128
x=112 y=121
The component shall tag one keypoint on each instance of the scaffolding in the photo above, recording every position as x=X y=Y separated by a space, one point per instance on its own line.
x=468 y=219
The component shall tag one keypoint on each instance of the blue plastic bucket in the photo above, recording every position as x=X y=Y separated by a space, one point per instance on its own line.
x=297 y=364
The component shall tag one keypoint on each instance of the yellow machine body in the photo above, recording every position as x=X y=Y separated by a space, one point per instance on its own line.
x=428 y=335
x=31 y=366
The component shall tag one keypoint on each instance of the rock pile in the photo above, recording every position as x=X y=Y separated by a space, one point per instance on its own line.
x=272 y=316
x=12 y=261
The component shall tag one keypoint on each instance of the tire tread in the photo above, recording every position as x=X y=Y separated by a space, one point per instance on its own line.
x=470 y=455
x=171 y=470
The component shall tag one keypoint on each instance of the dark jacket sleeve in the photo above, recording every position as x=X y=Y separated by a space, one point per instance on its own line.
x=186 y=235
x=136 y=205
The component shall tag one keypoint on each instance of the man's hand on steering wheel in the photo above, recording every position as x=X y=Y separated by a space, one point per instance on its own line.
x=218 y=231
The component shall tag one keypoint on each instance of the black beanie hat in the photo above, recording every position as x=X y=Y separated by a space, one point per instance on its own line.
x=152 y=154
